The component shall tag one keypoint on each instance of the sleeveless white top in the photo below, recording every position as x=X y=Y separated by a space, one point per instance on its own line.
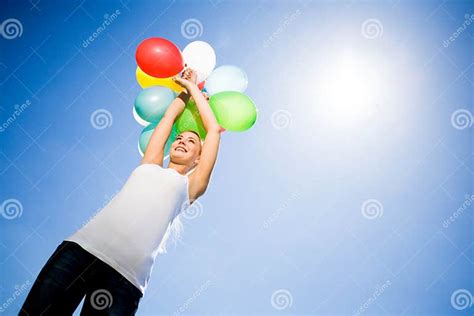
x=127 y=232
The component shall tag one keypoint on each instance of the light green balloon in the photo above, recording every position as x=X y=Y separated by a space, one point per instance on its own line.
x=148 y=131
x=151 y=103
x=190 y=119
x=234 y=110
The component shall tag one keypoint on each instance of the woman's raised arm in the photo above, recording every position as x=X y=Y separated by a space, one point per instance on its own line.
x=200 y=178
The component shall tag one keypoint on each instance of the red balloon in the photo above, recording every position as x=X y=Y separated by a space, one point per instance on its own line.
x=159 y=57
x=201 y=84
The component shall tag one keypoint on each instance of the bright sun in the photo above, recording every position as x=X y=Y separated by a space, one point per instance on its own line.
x=349 y=90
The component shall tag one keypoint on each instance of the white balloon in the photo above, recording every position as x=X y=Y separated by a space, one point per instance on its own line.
x=139 y=119
x=200 y=56
x=140 y=150
x=226 y=78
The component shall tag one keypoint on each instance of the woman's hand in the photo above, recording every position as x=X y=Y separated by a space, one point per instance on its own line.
x=187 y=79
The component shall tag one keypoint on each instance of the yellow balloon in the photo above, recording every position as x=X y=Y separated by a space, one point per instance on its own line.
x=147 y=81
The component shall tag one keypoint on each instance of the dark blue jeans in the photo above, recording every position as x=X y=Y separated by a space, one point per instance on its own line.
x=70 y=273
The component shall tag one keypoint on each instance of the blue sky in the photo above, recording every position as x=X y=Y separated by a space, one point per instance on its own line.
x=350 y=195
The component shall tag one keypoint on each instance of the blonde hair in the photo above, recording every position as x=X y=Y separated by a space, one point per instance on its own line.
x=174 y=230
x=175 y=227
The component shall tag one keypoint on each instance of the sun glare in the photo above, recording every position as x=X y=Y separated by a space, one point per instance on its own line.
x=349 y=90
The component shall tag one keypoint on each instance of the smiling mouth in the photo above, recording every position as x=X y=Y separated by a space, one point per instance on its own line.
x=180 y=149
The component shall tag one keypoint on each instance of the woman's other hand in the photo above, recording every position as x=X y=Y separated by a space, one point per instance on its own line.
x=188 y=78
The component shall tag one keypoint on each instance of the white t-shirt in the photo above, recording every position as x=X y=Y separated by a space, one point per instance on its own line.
x=127 y=232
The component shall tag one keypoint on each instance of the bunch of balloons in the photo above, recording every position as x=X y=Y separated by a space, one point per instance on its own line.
x=158 y=60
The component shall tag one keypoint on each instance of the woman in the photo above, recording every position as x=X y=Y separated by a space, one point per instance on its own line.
x=110 y=259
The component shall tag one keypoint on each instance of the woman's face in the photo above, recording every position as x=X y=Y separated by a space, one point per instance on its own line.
x=186 y=148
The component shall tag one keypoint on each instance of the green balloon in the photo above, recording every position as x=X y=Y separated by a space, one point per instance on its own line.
x=148 y=131
x=190 y=120
x=234 y=110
